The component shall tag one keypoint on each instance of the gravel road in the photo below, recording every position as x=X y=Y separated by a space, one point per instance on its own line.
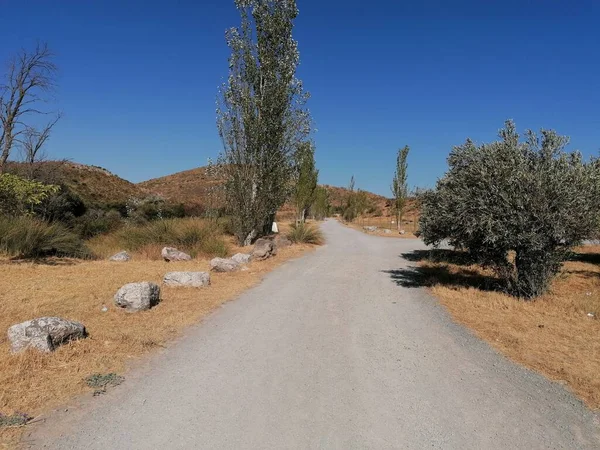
x=329 y=352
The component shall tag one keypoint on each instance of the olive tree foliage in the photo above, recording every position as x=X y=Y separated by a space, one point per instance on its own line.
x=29 y=78
x=305 y=181
x=400 y=185
x=261 y=115
x=518 y=206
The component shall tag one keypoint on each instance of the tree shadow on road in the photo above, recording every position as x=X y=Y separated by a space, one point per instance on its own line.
x=442 y=267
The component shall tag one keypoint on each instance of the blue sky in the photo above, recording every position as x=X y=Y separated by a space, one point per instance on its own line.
x=138 y=79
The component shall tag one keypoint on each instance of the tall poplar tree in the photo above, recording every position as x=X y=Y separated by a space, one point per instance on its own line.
x=261 y=115
x=399 y=184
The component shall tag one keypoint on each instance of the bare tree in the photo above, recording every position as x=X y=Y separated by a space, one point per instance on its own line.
x=30 y=75
x=33 y=141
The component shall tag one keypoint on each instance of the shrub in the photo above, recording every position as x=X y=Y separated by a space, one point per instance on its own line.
x=96 y=222
x=191 y=235
x=518 y=207
x=28 y=237
x=302 y=233
x=19 y=196
x=63 y=206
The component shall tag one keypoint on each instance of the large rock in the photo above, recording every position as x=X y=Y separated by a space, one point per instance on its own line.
x=138 y=296
x=224 y=265
x=282 y=241
x=263 y=249
x=191 y=279
x=172 y=254
x=370 y=228
x=120 y=257
x=44 y=334
x=242 y=258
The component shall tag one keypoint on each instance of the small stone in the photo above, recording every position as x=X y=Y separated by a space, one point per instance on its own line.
x=224 y=265
x=190 y=279
x=138 y=296
x=592 y=315
x=242 y=258
x=44 y=334
x=387 y=231
x=370 y=228
x=120 y=257
x=402 y=232
x=172 y=254
x=104 y=308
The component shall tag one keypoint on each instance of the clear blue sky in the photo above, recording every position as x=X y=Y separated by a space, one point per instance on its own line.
x=138 y=79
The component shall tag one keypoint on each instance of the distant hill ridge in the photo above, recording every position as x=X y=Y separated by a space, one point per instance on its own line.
x=97 y=185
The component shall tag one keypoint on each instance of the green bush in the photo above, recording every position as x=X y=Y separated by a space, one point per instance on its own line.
x=18 y=196
x=302 y=233
x=191 y=235
x=96 y=222
x=28 y=237
x=517 y=207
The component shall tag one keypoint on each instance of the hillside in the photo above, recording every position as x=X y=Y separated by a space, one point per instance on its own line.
x=94 y=185
x=190 y=187
x=339 y=195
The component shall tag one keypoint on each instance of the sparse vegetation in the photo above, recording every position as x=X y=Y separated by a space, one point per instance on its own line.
x=517 y=207
x=304 y=233
x=14 y=420
x=100 y=382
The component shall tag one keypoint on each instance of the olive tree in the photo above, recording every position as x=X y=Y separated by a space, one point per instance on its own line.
x=518 y=206
x=261 y=115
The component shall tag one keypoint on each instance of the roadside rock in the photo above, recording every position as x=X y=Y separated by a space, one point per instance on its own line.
x=172 y=254
x=387 y=231
x=370 y=228
x=242 y=258
x=282 y=241
x=263 y=249
x=224 y=265
x=190 y=279
x=120 y=257
x=402 y=232
x=138 y=296
x=44 y=334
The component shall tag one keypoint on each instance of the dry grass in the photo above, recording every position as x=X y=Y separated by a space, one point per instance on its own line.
x=32 y=382
x=553 y=335
x=409 y=225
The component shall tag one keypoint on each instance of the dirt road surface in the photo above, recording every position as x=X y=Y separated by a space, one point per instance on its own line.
x=329 y=352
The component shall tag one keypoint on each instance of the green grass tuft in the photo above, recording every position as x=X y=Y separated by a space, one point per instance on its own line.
x=302 y=233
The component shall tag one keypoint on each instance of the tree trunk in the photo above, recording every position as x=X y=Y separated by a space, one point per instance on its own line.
x=250 y=238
